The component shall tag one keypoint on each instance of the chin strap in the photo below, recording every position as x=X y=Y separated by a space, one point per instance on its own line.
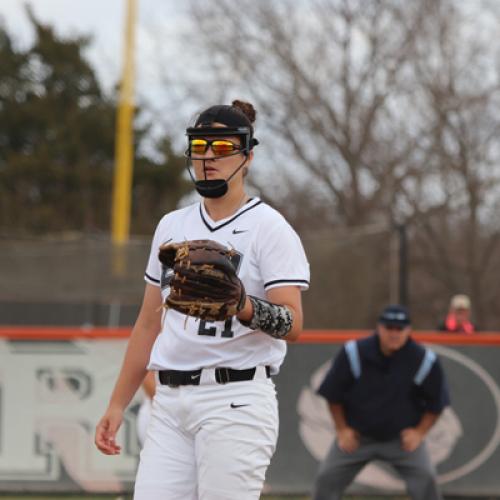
x=273 y=319
x=212 y=188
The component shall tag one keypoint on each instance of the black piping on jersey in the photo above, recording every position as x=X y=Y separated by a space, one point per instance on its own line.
x=269 y=283
x=213 y=229
x=151 y=278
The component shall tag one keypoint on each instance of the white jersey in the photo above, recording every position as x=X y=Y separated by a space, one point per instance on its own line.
x=269 y=255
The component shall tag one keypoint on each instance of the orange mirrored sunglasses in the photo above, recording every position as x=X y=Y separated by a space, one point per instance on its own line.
x=220 y=147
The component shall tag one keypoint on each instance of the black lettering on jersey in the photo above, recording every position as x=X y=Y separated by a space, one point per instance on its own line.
x=166 y=277
x=228 y=325
x=208 y=328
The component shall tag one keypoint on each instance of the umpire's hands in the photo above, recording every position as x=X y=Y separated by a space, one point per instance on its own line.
x=411 y=438
x=347 y=439
x=105 y=432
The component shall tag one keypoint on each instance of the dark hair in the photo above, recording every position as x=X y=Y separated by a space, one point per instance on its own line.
x=238 y=116
x=246 y=108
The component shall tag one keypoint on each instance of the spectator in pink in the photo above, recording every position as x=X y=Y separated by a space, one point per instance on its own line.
x=458 y=319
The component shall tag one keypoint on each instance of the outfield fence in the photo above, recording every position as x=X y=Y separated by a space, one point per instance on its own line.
x=55 y=383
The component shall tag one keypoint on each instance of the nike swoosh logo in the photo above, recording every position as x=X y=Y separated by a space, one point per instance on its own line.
x=237 y=406
x=195 y=376
x=235 y=231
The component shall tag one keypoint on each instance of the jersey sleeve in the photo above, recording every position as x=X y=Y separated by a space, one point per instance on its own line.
x=337 y=380
x=434 y=389
x=152 y=274
x=283 y=261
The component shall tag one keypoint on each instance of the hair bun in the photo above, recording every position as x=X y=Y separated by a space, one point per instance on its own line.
x=246 y=108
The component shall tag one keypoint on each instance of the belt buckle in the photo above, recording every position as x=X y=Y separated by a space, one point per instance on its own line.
x=222 y=375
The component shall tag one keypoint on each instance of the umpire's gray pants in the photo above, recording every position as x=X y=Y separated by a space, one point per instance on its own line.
x=339 y=469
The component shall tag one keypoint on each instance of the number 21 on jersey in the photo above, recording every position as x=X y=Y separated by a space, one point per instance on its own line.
x=208 y=328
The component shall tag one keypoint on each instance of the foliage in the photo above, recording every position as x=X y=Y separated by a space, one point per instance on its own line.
x=57 y=135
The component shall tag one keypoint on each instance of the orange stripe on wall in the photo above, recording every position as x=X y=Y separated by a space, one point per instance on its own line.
x=62 y=333
x=307 y=337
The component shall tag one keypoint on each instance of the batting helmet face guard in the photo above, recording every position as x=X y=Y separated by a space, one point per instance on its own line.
x=234 y=124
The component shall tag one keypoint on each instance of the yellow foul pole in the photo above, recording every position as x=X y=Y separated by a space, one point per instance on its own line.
x=122 y=182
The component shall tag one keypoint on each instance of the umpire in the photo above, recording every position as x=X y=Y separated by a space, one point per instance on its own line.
x=384 y=393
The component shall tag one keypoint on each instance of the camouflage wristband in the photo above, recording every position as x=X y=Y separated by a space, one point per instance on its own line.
x=274 y=319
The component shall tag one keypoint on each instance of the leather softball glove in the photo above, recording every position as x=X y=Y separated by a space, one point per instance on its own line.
x=204 y=284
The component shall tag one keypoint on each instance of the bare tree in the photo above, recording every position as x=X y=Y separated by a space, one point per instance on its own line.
x=457 y=233
x=330 y=78
x=371 y=112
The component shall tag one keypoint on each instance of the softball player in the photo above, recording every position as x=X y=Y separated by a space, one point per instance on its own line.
x=214 y=421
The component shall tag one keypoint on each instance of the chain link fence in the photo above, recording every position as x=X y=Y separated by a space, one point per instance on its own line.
x=79 y=280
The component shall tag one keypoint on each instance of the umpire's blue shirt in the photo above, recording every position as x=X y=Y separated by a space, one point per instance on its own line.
x=385 y=399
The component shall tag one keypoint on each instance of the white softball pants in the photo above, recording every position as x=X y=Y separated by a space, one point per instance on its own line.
x=143 y=417
x=209 y=442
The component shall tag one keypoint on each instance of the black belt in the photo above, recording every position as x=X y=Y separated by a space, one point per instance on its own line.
x=174 y=378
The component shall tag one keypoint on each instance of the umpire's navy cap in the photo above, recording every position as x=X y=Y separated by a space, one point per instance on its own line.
x=395 y=315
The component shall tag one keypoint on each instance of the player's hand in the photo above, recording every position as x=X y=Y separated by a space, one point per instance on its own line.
x=105 y=432
x=411 y=438
x=348 y=439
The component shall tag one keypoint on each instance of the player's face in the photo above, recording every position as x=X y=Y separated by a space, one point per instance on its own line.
x=216 y=157
x=392 y=338
x=462 y=315
x=221 y=158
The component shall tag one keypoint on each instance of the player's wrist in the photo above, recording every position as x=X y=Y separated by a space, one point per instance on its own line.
x=116 y=407
x=246 y=312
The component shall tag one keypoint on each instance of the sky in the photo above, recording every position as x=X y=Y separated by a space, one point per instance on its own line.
x=160 y=53
x=159 y=24
x=104 y=20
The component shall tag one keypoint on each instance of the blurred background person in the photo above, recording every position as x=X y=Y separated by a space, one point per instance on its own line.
x=384 y=392
x=458 y=319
